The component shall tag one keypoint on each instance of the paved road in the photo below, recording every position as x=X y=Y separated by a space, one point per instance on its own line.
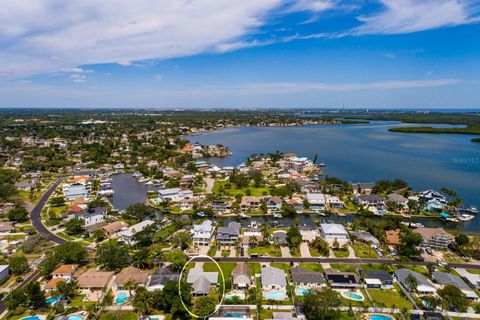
x=35 y=215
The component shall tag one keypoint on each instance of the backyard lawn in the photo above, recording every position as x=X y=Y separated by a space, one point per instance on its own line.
x=342 y=267
x=122 y=315
x=389 y=298
x=220 y=185
x=340 y=253
x=363 y=250
x=226 y=267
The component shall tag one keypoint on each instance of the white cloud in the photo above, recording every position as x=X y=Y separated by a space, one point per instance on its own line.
x=297 y=87
x=76 y=70
x=406 y=16
x=39 y=36
x=79 y=78
x=157 y=77
x=313 y=5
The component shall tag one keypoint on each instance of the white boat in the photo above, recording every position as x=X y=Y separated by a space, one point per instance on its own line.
x=465 y=217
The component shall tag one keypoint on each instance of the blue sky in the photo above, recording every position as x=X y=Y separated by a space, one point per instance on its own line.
x=222 y=53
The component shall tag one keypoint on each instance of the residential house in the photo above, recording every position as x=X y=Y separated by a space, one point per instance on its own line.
x=378 y=279
x=93 y=281
x=392 y=237
x=115 y=227
x=241 y=276
x=66 y=271
x=51 y=285
x=250 y=203
x=229 y=235
x=400 y=200
x=273 y=279
x=309 y=186
x=305 y=278
x=436 y=238
x=445 y=278
x=333 y=231
x=75 y=190
x=201 y=281
x=130 y=274
x=128 y=234
x=309 y=234
x=341 y=279
x=221 y=206
x=280 y=237
x=203 y=233
x=472 y=278
x=362 y=188
x=424 y=286
x=92 y=216
x=365 y=237
x=334 y=202
x=174 y=194
x=160 y=278
x=274 y=204
x=317 y=201
x=370 y=200
x=26 y=185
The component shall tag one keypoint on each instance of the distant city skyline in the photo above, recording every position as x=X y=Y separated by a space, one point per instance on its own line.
x=240 y=54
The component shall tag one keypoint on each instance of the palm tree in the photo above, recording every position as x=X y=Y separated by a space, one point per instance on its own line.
x=143 y=301
x=252 y=241
x=130 y=285
x=411 y=282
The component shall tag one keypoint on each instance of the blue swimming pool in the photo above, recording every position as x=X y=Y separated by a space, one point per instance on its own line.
x=122 y=297
x=53 y=299
x=352 y=295
x=379 y=317
x=31 y=318
x=235 y=315
x=280 y=295
x=75 y=317
x=301 y=292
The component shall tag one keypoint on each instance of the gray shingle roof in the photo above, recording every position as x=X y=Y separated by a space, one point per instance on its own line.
x=380 y=275
x=301 y=275
x=448 y=278
x=402 y=275
x=273 y=276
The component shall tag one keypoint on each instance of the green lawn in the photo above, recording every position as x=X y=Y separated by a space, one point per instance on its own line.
x=419 y=269
x=273 y=251
x=343 y=267
x=255 y=267
x=311 y=266
x=376 y=267
x=363 y=250
x=474 y=271
x=226 y=267
x=78 y=302
x=391 y=298
x=234 y=191
x=365 y=303
x=340 y=253
x=165 y=232
x=313 y=252
x=120 y=315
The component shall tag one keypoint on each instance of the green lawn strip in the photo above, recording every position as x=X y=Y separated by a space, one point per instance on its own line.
x=340 y=253
x=295 y=252
x=273 y=251
x=119 y=315
x=363 y=250
x=474 y=271
x=391 y=298
x=313 y=252
x=227 y=268
x=257 y=192
x=343 y=267
x=312 y=266
x=65 y=236
x=418 y=269
x=255 y=267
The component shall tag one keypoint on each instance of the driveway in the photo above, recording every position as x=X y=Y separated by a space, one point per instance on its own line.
x=209 y=182
x=304 y=251
x=351 y=252
x=285 y=252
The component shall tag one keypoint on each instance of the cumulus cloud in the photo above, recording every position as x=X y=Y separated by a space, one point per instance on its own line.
x=85 y=32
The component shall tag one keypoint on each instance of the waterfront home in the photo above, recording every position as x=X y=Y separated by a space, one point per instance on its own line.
x=92 y=216
x=334 y=202
x=93 y=282
x=174 y=194
x=332 y=231
x=221 y=206
x=307 y=186
x=305 y=278
x=378 y=279
x=273 y=279
x=75 y=190
x=362 y=188
x=370 y=200
x=434 y=206
x=429 y=195
x=202 y=281
x=309 y=234
x=65 y=271
x=424 y=286
x=280 y=237
x=445 y=278
x=250 y=203
x=341 y=279
x=128 y=234
x=115 y=227
x=4 y=271
x=392 y=237
x=241 y=276
x=400 y=200
x=202 y=233
x=228 y=235
x=274 y=204
x=436 y=238
x=317 y=201
x=130 y=274
x=160 y=278
x=365 y=237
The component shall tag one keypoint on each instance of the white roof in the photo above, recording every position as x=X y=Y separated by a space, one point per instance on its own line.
x=136 y=228
x=333 y=228
x=315 y=197
x=198 y=272
x=165 y=192
x=205 y=226
x=373 y=281
x=3 y=267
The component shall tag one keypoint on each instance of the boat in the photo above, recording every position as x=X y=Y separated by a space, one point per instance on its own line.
x=465 y=217
x=242 y=215
x=472 y=210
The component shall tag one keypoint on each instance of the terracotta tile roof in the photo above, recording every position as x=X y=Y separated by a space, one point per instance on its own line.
x=133 y=274
x=393 y=236
x=66 y=269
x=114 y=227
x=52 y=284
x=94 y=279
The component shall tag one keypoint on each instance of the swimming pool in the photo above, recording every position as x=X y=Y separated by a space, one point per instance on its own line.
x=235 y=315
x=31 y=318
x=379 y=316
x=75 y=317
x=53 y=299
x=279 y=295
x=230 y=296
x=301 y=291
x=356 y=296
x=122 y=297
